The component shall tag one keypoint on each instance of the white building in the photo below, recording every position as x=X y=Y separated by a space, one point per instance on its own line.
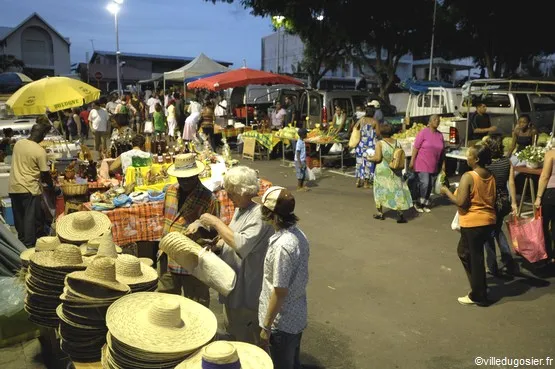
x=290 y=54
x=41 y=48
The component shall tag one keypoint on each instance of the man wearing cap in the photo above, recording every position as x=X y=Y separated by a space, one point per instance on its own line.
x=184 y=203
x=282 y=312
x=29 y=168
x=378 y=114
x=244 y=246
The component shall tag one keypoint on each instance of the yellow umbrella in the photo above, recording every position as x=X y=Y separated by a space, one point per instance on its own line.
x=51 y=94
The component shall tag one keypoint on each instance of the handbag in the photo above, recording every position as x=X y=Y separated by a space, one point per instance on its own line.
x=455 y=225
x=355 y=137
x=527 y=237
x=398 y=158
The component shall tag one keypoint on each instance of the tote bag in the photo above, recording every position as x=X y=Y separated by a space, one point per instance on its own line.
x=527 y=237
x=355 y=137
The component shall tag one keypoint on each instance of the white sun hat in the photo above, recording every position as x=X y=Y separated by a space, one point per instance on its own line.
x=186 y=166
x=228 y=354
x=161 y=323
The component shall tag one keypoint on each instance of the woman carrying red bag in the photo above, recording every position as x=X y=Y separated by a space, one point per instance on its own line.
x=475 y=199
x=546 y=199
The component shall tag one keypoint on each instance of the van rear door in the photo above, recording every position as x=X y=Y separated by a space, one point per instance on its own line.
x=311 y=108
x=543 y=110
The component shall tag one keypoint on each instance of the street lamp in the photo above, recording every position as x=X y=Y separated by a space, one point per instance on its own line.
x=278 y=21
x=114 y=8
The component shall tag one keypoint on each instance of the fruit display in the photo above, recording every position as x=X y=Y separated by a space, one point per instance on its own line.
x=411 y=132
x=289 y=133
x=543 y=139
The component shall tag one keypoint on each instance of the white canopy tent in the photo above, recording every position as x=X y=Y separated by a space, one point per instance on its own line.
x=199 y=66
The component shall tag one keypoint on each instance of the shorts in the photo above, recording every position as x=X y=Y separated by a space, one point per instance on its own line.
x=300 y=171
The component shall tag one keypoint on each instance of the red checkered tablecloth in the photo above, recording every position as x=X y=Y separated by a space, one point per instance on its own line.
x=144 y=222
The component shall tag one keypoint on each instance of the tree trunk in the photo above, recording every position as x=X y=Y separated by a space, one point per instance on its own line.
x=489 y=64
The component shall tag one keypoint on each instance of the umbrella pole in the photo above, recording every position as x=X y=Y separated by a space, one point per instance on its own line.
x=247 y=105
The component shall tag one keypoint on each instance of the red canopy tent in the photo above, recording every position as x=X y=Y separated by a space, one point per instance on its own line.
x=242 y=77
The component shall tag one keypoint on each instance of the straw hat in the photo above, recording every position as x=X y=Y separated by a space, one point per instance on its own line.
x=222 y=353
x=92 y=247
x=82 y=226
x=186 y=166
x=130 y=270
x=147 y=261
x=181 y=249
x=43 y=244
x=161 y=323
x=102 y=272
x=63 y=256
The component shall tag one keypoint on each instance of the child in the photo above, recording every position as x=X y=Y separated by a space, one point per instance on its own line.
x=159 y=119
x=300 y=161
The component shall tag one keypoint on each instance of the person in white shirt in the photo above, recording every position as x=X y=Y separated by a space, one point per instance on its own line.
x=112 y=105
x=194 y=107
x=98 y=118
x=151 y=103
x=125 y=160
x=278 y=116
x=221 y=108
x=172 y=120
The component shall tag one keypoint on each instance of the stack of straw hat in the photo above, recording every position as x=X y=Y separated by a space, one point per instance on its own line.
x=86 y=298
x=137 y=275
x=223 y=354
x=155 y=330
x=43 y=244
x=82 y=226
x=105 y=246
x=203 y=264
x=45 y=282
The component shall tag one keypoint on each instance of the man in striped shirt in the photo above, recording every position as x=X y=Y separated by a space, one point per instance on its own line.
x=184 y=203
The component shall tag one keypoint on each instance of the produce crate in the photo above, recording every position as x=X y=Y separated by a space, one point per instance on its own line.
x=7 y=211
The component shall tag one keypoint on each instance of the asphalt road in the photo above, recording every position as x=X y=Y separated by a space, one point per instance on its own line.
x=384 y=295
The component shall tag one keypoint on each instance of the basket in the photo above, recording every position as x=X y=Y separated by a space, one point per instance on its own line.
x=74 y=189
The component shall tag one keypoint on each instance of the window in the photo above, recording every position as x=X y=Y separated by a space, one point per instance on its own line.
x=315 y=105
x=344 y=104
x=523 y=102
x=543 y=103
x=494 y=100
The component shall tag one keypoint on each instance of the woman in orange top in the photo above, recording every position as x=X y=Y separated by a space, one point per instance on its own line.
x=475 y=199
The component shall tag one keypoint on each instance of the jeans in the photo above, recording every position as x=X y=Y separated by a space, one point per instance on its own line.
x=471 y=254
x=425 y=183
x=285 y=349
x=28 y=217
x=506 y=256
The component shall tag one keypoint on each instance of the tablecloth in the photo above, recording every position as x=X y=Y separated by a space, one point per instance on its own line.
x=230 y=132
x=156 y=168
x=267 y=140
x=145 y=222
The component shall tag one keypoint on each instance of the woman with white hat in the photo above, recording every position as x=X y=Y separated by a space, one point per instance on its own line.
x=282 y=312
x=184 y=203
x=243 y=247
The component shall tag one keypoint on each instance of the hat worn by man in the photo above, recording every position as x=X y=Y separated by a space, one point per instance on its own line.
x=43 y=244
x=374 y=103
x=82 y=226
x=161 y=323
x=278 y=200
x=226 y=354
x=102 y=272
x=186 y=166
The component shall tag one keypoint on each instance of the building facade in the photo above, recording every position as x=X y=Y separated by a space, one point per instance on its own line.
x=283 y=53
x=43 y=50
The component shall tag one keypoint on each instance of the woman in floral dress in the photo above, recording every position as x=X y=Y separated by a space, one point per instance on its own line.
x=369 y=130
x=389 y=188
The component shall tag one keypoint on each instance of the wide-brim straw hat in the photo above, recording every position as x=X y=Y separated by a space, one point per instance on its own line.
x=181 y=249
x=63 y=256
x=161 y=323
x=43 y=244
x=102 y=272
x=82 y=226
x=131 y=271
x=186 y=166
x=93 y=247
x=224 y=352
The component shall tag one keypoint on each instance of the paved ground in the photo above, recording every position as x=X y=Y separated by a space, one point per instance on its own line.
x=383 y=295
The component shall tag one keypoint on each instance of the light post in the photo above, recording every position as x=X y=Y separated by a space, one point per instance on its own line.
x=432 y=46
x=278 y=21
x=114 y=8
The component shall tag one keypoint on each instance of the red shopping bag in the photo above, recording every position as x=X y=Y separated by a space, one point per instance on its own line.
x=527 y=237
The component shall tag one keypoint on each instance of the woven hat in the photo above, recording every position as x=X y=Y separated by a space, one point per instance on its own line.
x=43 y=244
x=181 y=249
x=82 y=226
x=147 y=261
x=92 y=247
x=102 y=272
x=224 y=354
x=63 y=256
x=186 y=166
x=161 y=323
x=130 y=270
x=277 y=199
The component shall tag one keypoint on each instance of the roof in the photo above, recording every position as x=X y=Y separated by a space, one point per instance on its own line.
x=440 y=62
x=5 y=32
x=185 y=59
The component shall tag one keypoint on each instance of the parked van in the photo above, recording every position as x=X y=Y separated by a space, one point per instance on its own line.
x=436 y=100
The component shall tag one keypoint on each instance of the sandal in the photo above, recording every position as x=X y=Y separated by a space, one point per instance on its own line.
x=379 y=216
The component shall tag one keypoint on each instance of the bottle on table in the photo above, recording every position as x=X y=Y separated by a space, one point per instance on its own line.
x=138 y=177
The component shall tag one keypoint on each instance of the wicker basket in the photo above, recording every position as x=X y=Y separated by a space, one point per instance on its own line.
x=74 y=189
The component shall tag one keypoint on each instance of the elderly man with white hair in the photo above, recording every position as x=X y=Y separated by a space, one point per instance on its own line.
x=243 y=247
